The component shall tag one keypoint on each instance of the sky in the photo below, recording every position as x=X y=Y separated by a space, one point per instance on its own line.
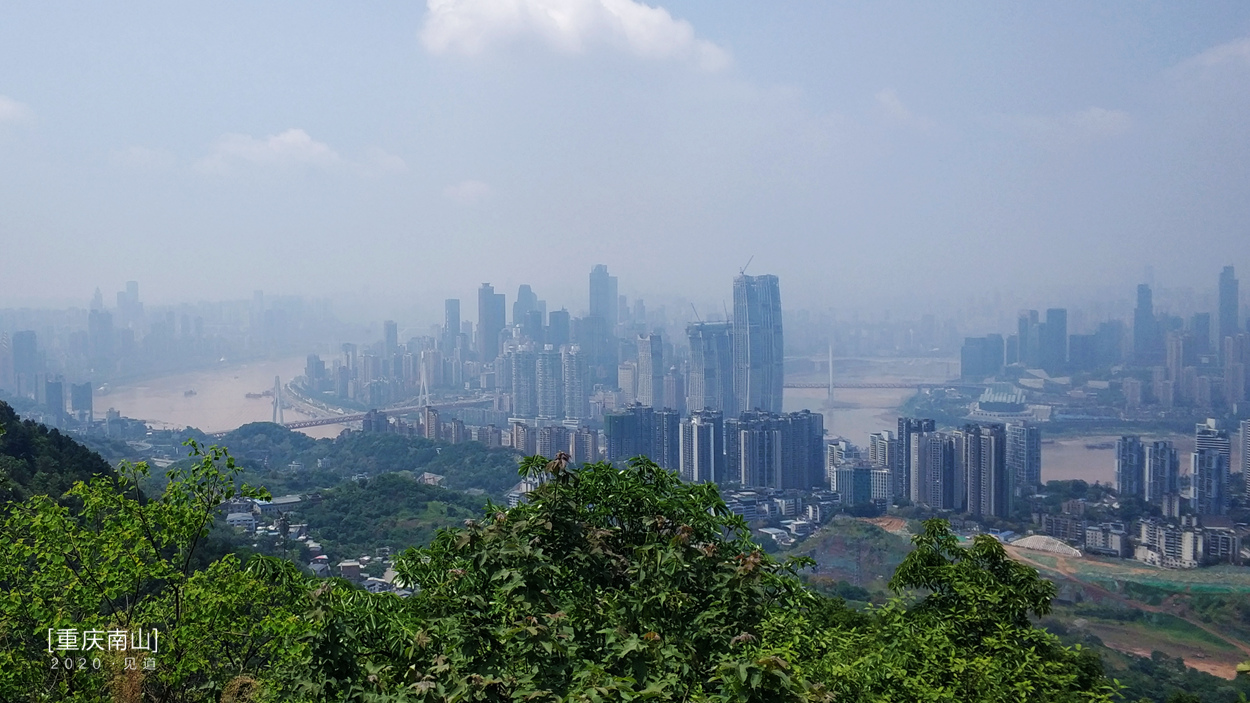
x=868 y=153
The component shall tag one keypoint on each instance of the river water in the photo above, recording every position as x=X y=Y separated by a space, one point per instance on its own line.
x=220 y=403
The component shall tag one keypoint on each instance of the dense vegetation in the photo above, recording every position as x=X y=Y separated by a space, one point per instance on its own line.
x=391 y=510
x=609 y=585
x=265 y=451
x=36 y=460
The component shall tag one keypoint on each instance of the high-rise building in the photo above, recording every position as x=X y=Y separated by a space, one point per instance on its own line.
x=390 y=336
x=643 y=431
x=666 y=444
x=1130 y=467
x=1230 y=305
x=650 y=370
x=1200 y=330
x=711 y=384
x=491 y=308
x=603 y=296
x=1024 y=457
x=703 y=447
x=1209 y=476
x=777 y=451
x=936 y=476
x=628 y=433
x=1028 y=342
x=431 y=426
x=987 y=479
x=675 y=390
x=549 y=384
x=1162 y=473
x=627 y=377
x=451 y=324
x=1147 y=341
x=1053 y=341
x=524 y=438
x=758 y=348
x=525 y=303
x=1208 y=435
x=881 y=449
x=981 y=356
x=558 y=329
x=552 y=439
x=524 y=383
x=907 y=427
x=576 y=385
x=1245 y=454
x=584 y=446
x=54 y=399
x=80 y=399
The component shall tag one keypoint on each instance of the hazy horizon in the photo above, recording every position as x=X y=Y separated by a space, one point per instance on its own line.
x=868 y=155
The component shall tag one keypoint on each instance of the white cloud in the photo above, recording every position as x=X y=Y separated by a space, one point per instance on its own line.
x=13 y=112
x=141 y=158
x=471 y=27
x=1068 y=129
x=1234 y=53
x=380 y=163
x=897 y=113
x=467 y=192
x=292 y=149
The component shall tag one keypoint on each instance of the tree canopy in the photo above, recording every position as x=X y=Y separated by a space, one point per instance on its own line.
x=609 y=583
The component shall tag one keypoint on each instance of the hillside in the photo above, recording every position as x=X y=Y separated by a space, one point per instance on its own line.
x=266 y=452
x=37 y=460
x=392 y=510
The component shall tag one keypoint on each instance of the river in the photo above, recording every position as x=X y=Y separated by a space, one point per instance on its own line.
x=220 y=404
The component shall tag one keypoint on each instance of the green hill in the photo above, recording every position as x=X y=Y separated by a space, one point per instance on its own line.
x=37 y=460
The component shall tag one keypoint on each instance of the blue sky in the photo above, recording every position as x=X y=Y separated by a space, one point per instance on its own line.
x=867 y=153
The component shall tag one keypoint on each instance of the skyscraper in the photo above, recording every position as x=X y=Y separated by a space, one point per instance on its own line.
x=703 y=447
x=390 y=336
x=651 y=370
x=548 y=380
x=526 y=301
x=936 y=479
x=666 y=444
x=1130 y=467
x=558 y=328
x=1028 y=340
x=1245 y=454
x=576 y=388
x=1209 y=474
x=907 y=426
x=451 y=324
x=1024 y=457
x=1229 y=322
x=524 y=383
x=777 y=451
x=629 y=433
x=1208 y=435
x=491 y=308
x=1147 y=342
x=985 y=468
x=711 y=383
x=758 y=347
x=1053 y=341
x=1163 y=472
x=603 y=296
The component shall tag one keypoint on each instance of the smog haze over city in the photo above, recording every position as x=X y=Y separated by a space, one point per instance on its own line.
x=511 y=349
x=872 y=155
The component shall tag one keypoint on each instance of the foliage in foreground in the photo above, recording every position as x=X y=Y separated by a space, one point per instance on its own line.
x=609 y=584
